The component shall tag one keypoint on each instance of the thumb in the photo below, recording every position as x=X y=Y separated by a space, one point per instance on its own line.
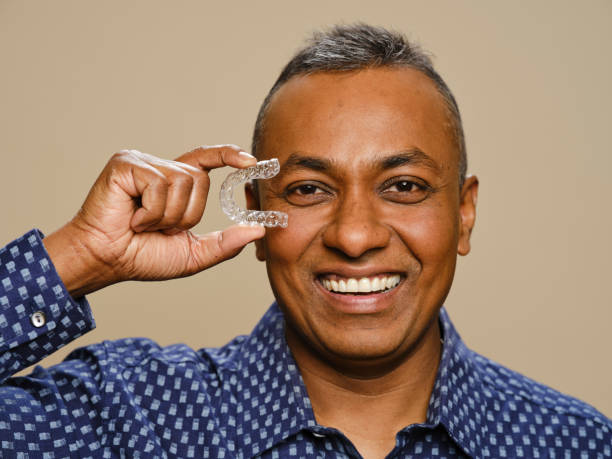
x=218 y=246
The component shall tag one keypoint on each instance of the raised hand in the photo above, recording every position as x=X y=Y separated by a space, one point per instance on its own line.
x=135 y=222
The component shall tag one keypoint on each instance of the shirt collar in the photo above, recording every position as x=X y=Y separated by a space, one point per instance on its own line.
x=457 y=400
x=271 y=392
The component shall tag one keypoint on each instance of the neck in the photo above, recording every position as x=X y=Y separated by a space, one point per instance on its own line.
x=394 y=394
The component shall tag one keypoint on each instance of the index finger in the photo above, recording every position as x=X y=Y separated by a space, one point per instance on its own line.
x=211 y=157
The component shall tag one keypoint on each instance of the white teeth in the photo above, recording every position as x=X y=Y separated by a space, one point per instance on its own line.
x=362 y=285
x=352 y=286
x=376 y=284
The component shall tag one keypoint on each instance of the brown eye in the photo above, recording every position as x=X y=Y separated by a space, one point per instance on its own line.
x=306 y=189
x=405 y=191
x=404 y=186
x=306 y=194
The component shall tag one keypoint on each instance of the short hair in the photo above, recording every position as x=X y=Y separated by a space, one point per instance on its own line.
x=346 y=48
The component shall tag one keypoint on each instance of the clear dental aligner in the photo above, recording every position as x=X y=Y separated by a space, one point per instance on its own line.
x=262 y=170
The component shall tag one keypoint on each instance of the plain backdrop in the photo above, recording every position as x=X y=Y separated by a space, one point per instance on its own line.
x=82 y=79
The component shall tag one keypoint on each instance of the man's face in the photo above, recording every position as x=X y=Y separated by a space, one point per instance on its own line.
x=369 y=179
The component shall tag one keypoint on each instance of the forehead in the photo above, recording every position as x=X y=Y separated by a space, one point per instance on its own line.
x=358 y=114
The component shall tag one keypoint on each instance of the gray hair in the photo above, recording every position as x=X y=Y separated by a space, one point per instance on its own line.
x=345 y=48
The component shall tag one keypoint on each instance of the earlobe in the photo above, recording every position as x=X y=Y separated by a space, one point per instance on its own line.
x=252 y=203
x=467 y=213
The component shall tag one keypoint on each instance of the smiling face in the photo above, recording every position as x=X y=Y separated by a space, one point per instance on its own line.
x=369 y=178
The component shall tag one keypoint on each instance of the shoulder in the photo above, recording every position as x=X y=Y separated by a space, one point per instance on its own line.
x=136 y=356
x=518 y=404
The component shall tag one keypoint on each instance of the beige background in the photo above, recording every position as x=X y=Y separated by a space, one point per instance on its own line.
x=82 y=79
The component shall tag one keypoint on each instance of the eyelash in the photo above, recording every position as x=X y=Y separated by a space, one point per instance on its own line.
x=419 y=190
x=313 y=198
x=307 y=185
x=414 y=182
x=314 y=193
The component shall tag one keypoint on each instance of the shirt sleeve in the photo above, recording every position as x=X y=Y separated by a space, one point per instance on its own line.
x=37 y=314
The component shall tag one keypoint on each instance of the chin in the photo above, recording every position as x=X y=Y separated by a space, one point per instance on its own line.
x=363 y=345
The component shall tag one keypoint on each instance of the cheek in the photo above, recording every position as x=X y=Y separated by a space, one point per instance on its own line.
x=288 y=245
x=431 y=234
x=290 y=254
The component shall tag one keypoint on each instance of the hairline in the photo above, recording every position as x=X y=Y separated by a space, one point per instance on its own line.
x=452 y=110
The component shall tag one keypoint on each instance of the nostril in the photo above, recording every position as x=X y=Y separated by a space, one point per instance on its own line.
x=353 y=241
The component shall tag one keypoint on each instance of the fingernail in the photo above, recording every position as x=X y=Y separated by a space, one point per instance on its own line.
x=246 y=155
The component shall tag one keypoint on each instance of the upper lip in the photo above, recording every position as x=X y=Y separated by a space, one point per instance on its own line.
x=357 y=272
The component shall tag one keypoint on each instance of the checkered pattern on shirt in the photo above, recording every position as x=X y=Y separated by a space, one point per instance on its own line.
x=29 y=283
x=133 y=398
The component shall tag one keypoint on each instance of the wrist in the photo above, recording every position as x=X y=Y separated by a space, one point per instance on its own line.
x=77 y=265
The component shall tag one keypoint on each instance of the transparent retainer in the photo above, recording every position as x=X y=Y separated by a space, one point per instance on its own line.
x=262 y=170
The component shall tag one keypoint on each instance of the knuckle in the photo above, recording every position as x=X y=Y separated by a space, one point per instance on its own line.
x=201 y=179
x=205 y=148
x=159 y=181
x=119 y=155
x=186 y=166
x=182 y=179
x=181 y=186
x=225 y=146
x=126 y=155
x=215 y=249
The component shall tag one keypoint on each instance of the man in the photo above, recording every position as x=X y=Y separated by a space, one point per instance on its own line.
x=357 y=357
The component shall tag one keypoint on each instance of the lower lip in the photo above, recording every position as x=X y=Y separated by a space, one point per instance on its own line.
x=371 y=303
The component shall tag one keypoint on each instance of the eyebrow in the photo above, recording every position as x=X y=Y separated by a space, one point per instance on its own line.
x=299 y=161
x=412 y=156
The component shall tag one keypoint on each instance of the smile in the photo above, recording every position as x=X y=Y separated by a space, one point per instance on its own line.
x=352 y=285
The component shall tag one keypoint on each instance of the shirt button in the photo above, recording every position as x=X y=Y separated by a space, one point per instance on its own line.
x=318 y=435
x=38 y=319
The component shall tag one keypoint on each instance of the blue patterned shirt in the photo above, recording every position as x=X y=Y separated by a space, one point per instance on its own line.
x=133 y=398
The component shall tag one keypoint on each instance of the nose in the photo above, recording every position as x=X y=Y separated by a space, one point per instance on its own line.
x=356 y=228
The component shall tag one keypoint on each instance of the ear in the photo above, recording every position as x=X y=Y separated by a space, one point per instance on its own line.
x=252 y=203
x=467 y=213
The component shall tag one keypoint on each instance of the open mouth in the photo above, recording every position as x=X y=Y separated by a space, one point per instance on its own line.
x=359 y=286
